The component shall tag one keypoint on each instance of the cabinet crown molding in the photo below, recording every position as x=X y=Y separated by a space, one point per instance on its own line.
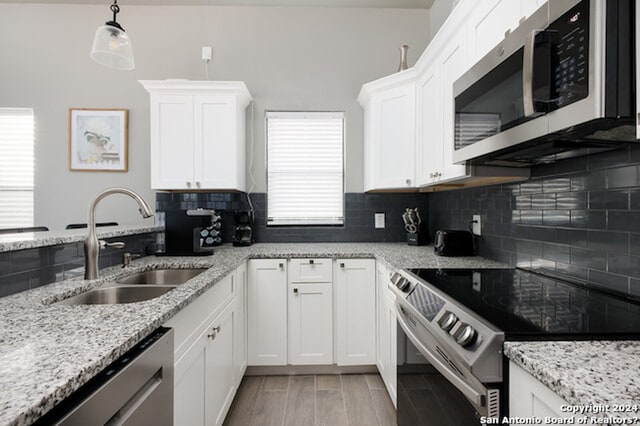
x=385 y=83
x=196 y=87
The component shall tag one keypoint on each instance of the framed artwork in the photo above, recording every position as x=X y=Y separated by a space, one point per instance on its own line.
x=98 y=139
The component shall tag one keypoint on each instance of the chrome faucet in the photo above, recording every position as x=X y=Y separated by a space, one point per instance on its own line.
x=91 y=244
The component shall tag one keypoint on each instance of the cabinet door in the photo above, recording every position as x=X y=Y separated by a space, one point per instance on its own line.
x=216 y=143
x=220 y=375
x=240 y=326
x=394 y=138
x=310 y=324
x=529 y=398
x=488 y=23
x=355 y=312
x=171 y=137
x=189 y=384
x=453 y=64
x=267 y=311
x=204 y=377
x=429 y=147
x=530 y=6
x=392 y=329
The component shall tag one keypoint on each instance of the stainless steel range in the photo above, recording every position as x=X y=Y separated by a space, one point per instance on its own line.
x=458 y=319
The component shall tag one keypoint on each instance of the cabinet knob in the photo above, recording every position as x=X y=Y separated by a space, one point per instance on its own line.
x=280 y=265
x=439 y=174
x=342 y=264
x=408 y=181
x=188 y=184
x=431 y=175
x=295 y=290
x=197 y=184
x=310 y=261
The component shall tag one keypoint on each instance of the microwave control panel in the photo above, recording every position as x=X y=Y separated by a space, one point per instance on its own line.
x=570 y=64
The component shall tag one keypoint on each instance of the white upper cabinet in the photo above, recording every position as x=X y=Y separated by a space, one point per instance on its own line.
x=197 y=134
x=390 y=130
x=429 y=155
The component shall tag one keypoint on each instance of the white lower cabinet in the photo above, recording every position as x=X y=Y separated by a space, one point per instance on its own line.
x=310 y=323
x=355 y=286
x=529 y=398
x=267 y=311
x=210 y=355
x=387 y=332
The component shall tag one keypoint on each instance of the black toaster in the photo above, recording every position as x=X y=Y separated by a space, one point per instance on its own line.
x=449 y=242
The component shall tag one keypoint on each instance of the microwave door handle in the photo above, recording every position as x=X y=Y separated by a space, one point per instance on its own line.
x=527 y=74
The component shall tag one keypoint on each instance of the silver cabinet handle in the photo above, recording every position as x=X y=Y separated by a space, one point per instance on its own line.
x=408 y=181
x=197 y=184
x=431 y=175
x=188 y=184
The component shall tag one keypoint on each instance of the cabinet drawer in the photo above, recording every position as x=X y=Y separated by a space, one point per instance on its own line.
x=310 y=270
x=189 y=322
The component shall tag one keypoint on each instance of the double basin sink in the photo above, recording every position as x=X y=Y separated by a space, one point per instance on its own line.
x=136 y=287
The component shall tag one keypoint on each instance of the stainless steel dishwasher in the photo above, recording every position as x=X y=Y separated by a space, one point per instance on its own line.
x=136 y=389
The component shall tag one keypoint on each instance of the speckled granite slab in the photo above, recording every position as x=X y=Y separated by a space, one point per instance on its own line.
x=27 y=240
x=584 y=372
x=47 y=350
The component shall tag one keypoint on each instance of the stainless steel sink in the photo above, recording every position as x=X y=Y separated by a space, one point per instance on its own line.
x=161 y=276
x=118 y=294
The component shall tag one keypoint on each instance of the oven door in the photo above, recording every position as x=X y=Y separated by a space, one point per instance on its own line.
x=430 y=392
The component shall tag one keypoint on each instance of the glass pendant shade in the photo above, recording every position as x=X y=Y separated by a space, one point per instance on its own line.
x=112 y=48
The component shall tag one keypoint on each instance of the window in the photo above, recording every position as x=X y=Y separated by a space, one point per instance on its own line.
x=305 y=183
x=16 y=167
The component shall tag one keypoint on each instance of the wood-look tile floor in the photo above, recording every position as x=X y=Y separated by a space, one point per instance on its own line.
x=335 y=400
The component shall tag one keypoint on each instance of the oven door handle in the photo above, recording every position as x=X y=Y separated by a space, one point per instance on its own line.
x=469 y=392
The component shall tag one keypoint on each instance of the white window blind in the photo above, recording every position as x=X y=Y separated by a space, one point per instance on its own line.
x=305 y=168
x=16 y=167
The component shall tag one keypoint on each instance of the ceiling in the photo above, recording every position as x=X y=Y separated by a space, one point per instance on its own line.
x=401 y=4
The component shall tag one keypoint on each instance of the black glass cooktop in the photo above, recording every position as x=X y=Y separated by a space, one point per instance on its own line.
x=527 y=305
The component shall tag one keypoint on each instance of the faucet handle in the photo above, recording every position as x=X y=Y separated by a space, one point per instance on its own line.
x=116 y=244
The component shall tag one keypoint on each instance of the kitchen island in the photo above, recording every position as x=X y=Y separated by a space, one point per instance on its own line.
x=49 y=350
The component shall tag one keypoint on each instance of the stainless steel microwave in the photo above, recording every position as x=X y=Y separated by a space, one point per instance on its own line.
x=561 y=85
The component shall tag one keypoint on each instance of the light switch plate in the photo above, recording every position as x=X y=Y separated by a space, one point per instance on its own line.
x=379 y=220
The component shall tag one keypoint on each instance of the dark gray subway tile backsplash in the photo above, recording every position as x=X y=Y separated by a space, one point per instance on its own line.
x=577 y=218
x=359 y=216
x=24 y=269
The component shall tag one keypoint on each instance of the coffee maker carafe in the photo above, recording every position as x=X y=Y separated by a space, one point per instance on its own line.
x=243 y=232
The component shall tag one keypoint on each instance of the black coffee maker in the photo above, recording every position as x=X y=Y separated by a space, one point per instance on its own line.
x=243 y=233
x=191 y=232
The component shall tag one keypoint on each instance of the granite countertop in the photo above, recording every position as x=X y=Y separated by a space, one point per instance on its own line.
x=47 y=350
x=27 y=240
x=584 y=373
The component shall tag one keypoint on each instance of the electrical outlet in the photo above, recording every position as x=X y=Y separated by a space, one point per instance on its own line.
x=476 y=225
x=207 y=53
x=379 y=220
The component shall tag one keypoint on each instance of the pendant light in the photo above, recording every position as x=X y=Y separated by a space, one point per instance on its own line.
x=111 y=45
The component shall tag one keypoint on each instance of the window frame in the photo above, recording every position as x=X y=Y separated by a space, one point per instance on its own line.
x=343 y=117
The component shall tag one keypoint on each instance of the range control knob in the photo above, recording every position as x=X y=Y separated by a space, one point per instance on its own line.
x=403 y=284
x=466 y=335
x=395 y=277
x=447 y=321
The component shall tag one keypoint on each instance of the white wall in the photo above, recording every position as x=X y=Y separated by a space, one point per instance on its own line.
x=290 y=58
x=440 y=11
